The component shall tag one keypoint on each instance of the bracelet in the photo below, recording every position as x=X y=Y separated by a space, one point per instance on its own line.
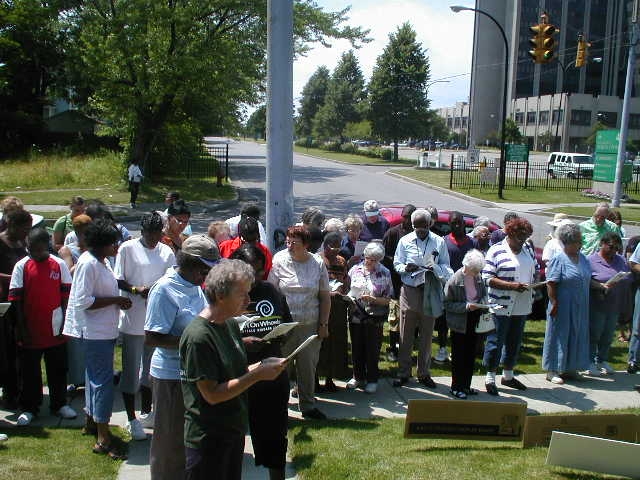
x=134 y=290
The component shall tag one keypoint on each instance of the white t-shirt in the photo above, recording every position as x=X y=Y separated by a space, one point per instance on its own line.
x=233 y=227
x=140 y=266
x=525 y=270
x=92 y=280
x=551 y=249
x=135 y=174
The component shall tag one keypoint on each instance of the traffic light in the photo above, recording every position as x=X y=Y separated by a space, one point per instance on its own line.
x=542 y=41
x=583 y=52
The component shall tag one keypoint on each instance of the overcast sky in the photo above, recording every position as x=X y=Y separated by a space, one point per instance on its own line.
x=447 y=37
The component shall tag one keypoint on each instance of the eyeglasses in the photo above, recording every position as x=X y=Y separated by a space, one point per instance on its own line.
x=292 y=242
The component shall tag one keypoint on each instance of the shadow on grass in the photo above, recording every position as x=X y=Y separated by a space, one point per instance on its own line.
x=465 y=448
x=29 y=432
x=306 y=425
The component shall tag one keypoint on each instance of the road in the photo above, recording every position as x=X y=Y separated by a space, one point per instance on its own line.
x=339 y=189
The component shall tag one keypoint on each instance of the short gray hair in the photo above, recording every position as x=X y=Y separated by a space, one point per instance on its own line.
x=353 y=221
x=474 y=260
x=476 y=231
x=569 y=233
x=421 y=213
x=224 y=275
x=374 y=250
x=482 y=222
x=334 y=225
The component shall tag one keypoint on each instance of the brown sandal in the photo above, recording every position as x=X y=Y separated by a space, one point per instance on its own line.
x=109 y=450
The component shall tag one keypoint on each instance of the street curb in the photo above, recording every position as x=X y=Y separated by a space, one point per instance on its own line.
x=355 y=164
x=463 y=196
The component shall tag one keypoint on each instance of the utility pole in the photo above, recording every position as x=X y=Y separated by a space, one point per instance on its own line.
x=624 y=123
x=279 y=117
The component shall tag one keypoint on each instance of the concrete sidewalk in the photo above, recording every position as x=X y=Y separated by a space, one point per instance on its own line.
x=590 y=393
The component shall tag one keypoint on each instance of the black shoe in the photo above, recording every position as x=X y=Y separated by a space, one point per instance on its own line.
x=400 y=381
x=459 y=394
x=314 y=414
x=513 y=383
x=470 y=391
x=633 y=368
x=491 y=388
x=427 y=382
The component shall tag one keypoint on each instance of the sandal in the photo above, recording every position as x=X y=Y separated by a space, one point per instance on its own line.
x=458 y=394
x=109 y=450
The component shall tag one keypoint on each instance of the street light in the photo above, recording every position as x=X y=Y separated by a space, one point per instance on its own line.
x=503 y=165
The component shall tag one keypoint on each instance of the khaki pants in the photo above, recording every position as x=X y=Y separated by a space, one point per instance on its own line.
x=411 y=317
x=305 y=363
x=394 y=316
x=167 y=457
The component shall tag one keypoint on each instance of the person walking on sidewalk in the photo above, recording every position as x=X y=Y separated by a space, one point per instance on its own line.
x=419 y=253
x=135 y=178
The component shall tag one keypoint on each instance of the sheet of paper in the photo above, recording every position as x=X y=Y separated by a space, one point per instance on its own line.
x=4 y=307
x=359 y=248
x=538 y=284
x=57 y=319
x=302 y=346
x=617 y=277
x=280 y=330
x=356 y=292
x=335 y=285
x=495 y=306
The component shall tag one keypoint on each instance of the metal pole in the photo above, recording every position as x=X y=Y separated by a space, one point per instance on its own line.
x=624 y=124
x=279 y=117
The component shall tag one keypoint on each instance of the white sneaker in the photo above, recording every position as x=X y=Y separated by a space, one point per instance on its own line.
x=24 y=419
x=146 y=419
x=553 y=377
x=134 y=427
x=66 y=412
x=441 y=356
x=371 y=387
x=3 y=437
x=353 y=384
x=607 y=369
x=594 y=370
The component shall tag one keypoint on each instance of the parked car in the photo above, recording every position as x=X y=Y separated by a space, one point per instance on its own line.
x=570 y=165
x=393 y=214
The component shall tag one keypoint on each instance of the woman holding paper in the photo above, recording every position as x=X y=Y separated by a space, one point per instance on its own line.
x=302 y=278
x=608 y=299
x=464 y=294
x=215 y=375
x=268 y=401
x=373 y=283
x=566 y=338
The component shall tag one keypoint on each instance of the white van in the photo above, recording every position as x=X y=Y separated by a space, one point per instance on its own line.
x=570 y=165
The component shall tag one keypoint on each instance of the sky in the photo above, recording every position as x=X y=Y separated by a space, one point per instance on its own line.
x=446 y=36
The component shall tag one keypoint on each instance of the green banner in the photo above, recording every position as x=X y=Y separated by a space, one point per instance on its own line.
x=607 y=141
x=605 y=168
x=515 y=152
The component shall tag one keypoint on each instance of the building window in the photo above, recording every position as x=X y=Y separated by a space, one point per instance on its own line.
x=610 y=119
x=449 y=122
x=531 y=118
x=464 y=122
x=634 y=121
x=581 y=117
x=519 y=118
x=558 y=115
x=543 y=117
x=456 y=122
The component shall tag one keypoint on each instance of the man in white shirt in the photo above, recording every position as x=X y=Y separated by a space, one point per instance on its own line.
x=418 y=252
x=135 y=177
x=139 y=264
x=247 y=211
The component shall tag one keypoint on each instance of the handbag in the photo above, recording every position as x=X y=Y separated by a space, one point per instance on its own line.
x=485 y=323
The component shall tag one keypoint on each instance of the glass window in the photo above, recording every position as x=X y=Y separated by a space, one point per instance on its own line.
x=531 y=118
x=581 y=117
x=634 y=121
x=519 y=118
x=558 y=115
x=543 y=117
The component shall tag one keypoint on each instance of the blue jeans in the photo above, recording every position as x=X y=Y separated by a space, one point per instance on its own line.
x=602 y=326
x=99 y=386
x=503 y=344
x=634 y=341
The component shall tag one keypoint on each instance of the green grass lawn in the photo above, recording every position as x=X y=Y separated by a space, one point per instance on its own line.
x=376 y=449
x=54 y=454
x=99 y=176
x=440 y=178
x=353 y=159
x=629 y=213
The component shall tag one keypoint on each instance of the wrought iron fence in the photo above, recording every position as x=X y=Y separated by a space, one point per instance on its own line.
x=209 y=163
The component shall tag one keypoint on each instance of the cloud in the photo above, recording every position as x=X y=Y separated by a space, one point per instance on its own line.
x=447 y=36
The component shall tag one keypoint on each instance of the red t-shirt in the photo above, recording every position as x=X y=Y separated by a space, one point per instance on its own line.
x=229 y=246
x=41 y=286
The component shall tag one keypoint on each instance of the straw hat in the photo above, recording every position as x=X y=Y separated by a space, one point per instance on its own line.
x=558 y=219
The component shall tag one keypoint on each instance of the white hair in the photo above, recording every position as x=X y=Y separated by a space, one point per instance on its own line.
x=476 y=231
x=474 y=260
x=482 y=222
x=374 y=250
x=334 y=225
x=421 y=213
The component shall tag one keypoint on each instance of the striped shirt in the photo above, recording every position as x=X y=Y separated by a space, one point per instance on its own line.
x=503 y=264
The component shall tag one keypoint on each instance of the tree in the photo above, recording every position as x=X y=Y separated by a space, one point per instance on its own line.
x=590 y=141
x=313 y=96
x=545 y=140
x=512 y=132
x=345 y=99
x=358 y=130
x=436 y=126
x=257 y=124
x=32 y=51
x=151 y=63
x=398 y=88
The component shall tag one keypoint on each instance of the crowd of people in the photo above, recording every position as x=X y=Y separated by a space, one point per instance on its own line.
x=213 y=326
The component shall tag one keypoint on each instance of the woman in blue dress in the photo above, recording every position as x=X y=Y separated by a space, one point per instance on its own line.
x=566 y=340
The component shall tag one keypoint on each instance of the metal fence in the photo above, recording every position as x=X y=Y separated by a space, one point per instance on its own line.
x=213 y=161
x=483 y=175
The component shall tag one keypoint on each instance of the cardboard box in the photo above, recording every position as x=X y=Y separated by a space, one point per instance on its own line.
x=468 y=420
x=622 y=427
